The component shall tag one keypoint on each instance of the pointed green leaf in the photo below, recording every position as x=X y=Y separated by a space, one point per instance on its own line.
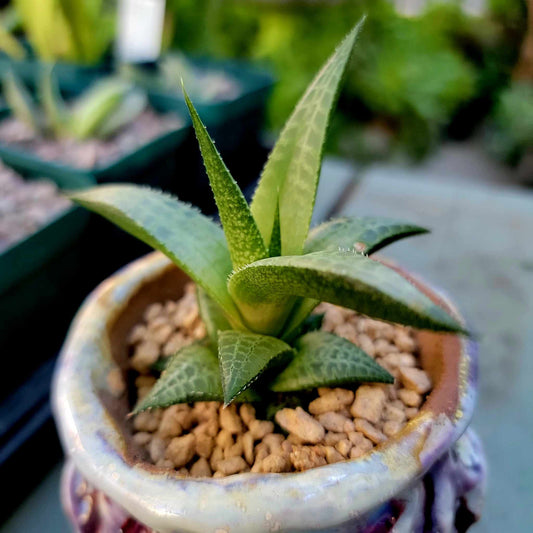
x=212 y=315
x=191 y=375
x=293 y=166
x=244 y=240
x=191 y=240
x=326 y=360
x=362 y=234
x=20 y=102
x=347 y=279
x=52 y=102
x=243 y=356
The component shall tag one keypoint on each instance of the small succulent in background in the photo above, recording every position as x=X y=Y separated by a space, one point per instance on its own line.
x=260 y=277
x=102 y=110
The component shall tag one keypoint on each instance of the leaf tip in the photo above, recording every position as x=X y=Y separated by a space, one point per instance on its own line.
x=387 y=377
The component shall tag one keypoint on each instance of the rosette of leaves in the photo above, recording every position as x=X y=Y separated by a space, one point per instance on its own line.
x=102 y=110
x=262 y=273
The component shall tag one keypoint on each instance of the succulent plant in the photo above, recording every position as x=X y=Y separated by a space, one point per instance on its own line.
x=260 y=277
x=103 y=109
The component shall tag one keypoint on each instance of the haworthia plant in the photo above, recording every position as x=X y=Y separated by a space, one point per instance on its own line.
x=260 y=276
x=101 y=111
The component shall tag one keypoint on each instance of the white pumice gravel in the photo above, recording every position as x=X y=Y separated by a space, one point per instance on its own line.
x=205 y=439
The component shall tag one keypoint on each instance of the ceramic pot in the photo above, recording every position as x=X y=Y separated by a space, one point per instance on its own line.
x=428 y=478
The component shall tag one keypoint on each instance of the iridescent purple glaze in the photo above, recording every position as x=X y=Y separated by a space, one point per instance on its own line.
x=427 y=479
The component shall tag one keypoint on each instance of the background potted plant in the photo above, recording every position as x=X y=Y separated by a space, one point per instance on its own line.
x=258 y=282
x=109 y=132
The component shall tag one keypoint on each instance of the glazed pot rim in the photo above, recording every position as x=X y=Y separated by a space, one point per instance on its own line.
x=338 y=491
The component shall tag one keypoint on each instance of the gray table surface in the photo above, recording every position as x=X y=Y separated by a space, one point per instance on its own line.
x=480 y=253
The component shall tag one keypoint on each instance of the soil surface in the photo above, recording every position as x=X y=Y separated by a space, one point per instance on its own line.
x=330 y=425
x=91 y=152
x=26 y=205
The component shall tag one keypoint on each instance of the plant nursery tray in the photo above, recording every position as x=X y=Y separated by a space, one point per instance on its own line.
x=254 y=83
x=130 y=166
x=29 y=255
x=69 y=75
x=39 y=276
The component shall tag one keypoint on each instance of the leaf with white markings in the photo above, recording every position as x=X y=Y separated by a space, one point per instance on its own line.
x=293 y=167
x=347 y=279
x=244 y=239
x=243 y=357
x=194 y=242
x=191 y=375
x=326 y=360
x=362 y=234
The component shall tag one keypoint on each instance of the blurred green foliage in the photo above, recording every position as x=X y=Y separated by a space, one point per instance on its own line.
x=410 y=79
x=510 y=133
x=79 y=31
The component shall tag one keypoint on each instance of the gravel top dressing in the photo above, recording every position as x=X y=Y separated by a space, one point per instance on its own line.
x=205 y=439
x=91 y=152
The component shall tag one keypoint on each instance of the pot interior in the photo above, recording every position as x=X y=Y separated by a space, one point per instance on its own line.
x=440 y=354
